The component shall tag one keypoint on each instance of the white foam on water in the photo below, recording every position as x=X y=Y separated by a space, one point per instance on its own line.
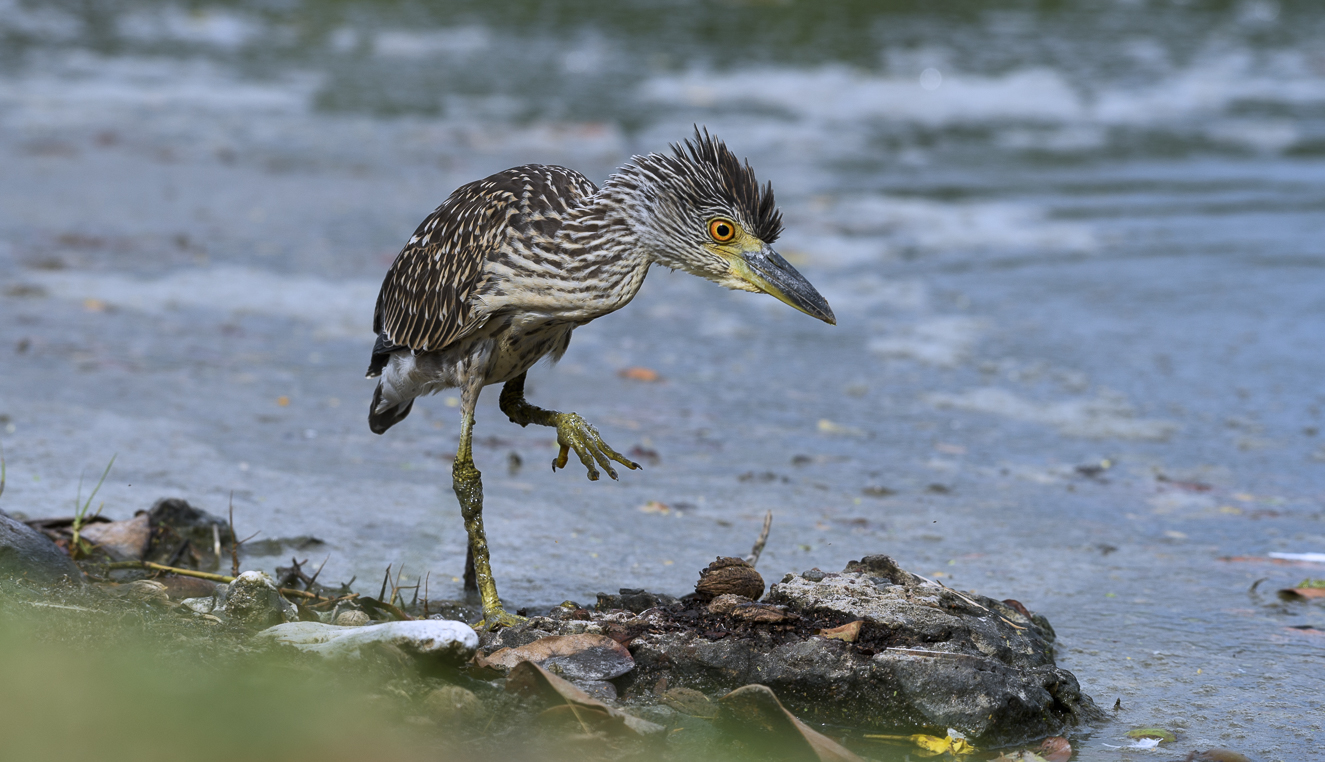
x=412 y=44
x=1201 y=97
x=87 y=84
x=335 y=309
x=967 y=225
x=839 y=94
x=943 y=341
x=1104 y=417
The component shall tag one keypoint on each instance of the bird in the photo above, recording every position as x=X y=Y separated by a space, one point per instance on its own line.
x=501 y=274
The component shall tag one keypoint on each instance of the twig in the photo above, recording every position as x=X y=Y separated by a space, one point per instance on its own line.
x=221 y=578
x=313 y=580
x=387 y=607
x=425 y=594
x=753 y=558
x=385 y=580
x=172 y=569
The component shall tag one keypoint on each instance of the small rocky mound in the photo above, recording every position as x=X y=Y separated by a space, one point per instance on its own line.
x=872 y=647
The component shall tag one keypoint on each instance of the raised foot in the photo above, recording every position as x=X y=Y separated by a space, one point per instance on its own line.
x=573 y=433
x=495 y=619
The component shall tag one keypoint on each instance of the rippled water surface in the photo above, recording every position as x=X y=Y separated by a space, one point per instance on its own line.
x=1054 y=234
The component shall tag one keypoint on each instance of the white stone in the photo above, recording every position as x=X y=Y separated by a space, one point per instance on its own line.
x=431 y=638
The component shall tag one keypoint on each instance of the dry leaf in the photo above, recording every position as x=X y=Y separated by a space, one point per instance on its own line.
x=637 y=373
x=532 y=680
x=578 y=657
x=933 y=745
x=756 y=708
x=1160 y=734
x=847 y=632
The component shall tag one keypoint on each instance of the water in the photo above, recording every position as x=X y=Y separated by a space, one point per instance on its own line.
x=1053 y=235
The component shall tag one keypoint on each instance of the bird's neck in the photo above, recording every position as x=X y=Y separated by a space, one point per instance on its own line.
x=604 y=254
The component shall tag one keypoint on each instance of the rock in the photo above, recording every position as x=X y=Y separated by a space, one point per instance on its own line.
x=174 y=522
x=179 y=587
x=145 y=590
x=584 y=658
x=630 y=599
x=431 y=640
x=122 y=540
x=28 y=554
x=351 y=618
x=454 y=706
x=730 y=576
x=873 y=647
x=252 y=601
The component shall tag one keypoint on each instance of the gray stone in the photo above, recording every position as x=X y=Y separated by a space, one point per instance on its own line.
x=252 y=601
x=925 y=657
x=28 y=554
x=427 y=639
x=174 y=522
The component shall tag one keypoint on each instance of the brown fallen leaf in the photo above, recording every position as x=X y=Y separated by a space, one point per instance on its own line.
x=529 y=679
x=579 y=657
x=637 y=373
x=756 y=709
x=847 y=632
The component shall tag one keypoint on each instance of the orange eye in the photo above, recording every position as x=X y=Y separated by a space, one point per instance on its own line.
x=722 y=230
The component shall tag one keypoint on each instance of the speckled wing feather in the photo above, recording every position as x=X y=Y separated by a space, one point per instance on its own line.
x=426 y=297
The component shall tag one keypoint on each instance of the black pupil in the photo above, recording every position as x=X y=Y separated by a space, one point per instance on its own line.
x=723 y=230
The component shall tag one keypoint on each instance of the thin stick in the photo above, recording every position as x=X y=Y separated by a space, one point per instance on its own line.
x=753 y=558
x=385 y=580
x=221 y=578
x=313 y=580
x=425 y=594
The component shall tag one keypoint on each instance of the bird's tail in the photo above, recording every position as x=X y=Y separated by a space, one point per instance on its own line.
x=380 y=420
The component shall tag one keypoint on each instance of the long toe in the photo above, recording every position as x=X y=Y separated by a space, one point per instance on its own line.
x=497 y=618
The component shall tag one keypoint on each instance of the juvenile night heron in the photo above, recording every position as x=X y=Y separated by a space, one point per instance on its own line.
x=501 y=273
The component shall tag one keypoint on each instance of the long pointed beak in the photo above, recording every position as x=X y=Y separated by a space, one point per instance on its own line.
x=773 y=275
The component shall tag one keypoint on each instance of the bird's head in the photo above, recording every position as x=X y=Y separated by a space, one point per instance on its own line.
x=700 y=210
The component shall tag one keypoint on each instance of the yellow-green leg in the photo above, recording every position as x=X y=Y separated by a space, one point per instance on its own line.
x=573 y=433
x=468 y=484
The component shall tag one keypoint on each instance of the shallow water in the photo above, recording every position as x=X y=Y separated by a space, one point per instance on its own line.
x=1052 y=238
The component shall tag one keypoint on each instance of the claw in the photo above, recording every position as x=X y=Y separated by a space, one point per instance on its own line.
x=574 y=433
x=496 y=619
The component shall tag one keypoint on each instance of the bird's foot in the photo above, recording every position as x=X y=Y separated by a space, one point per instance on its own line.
x=496 y=618
x=573 y=433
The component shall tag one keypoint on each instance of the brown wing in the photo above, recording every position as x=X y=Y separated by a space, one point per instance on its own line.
x=426 y=297
x=429 y=293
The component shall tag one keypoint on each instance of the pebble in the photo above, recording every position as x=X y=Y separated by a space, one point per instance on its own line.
x=453 y=705
x=253 y=601
x=351 y=618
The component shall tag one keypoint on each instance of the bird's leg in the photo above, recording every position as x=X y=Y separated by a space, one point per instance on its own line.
x=468 y=484
x=573 y=433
